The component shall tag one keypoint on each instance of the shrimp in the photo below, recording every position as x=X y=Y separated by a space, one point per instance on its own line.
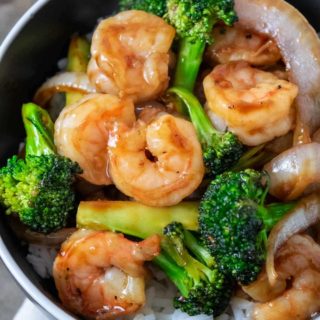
x=130 y=55
x=100 y=275
x=238 y=43
x=300 y=49
x=82 y=131
x=256 y=105
x=298 y=260
x=158 y=163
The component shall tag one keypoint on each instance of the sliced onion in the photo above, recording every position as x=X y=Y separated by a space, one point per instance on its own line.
x=262 y=291
x=295 y=172
x=304 y=215
x=63 y=82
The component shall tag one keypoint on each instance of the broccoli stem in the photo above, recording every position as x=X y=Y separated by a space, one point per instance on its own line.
x=78 y=59
x=174 y=272
x=40 y=129
x=254 y=157
x=133 y=218
x=199 y=251
x=199 y=118
x=189 y=61
x=273 y=213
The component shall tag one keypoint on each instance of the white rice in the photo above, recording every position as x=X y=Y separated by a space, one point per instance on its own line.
x=159 y=292
x=41 y=258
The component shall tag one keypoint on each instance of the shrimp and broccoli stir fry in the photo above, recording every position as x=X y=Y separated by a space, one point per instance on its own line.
x=187 y=144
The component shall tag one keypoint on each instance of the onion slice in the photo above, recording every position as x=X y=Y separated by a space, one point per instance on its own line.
x=295 y=172
x=63 y=82
x=304 y=215
x=300 y=48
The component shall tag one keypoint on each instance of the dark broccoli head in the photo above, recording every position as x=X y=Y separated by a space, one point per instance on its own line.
x=221 y=151
x=157 y=7
x=194 y=19
x=39 y=188
x=234 y=223
x=203 y=288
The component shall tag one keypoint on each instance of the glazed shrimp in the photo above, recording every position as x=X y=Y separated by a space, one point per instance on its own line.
x=82 y=130
x=100 y=275
x=300 y=49
x=254 y=104
x=299 y=261
x=157 y=163
x=238 y=43
x=130 y=55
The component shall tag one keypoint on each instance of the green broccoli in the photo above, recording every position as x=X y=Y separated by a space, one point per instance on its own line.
x=203 y=288
x=221 y=150
x=193 y=21
x=157 y=7
x=187 y=263
x=234 y=222
x=39 y=188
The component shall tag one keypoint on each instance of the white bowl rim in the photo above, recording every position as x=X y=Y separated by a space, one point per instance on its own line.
x=31 y=290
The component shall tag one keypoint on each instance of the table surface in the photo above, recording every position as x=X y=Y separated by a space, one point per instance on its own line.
x=11 y=296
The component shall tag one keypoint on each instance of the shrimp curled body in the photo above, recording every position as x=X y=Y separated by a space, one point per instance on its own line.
x=256 y=105
x=130 y=55
x=100 y=275
x=299 y=45
x=82 y=130
x=157 y=163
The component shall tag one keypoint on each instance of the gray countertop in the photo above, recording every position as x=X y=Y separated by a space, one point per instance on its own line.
x=11 y=296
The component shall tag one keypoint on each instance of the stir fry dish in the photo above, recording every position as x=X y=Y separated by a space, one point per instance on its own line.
x=171 y=167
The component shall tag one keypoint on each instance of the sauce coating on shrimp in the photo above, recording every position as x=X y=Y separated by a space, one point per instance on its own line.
x=238 y=43
x=82 y=131
x=255 y=105
x=100 y=275
x=130 y=55
x=157 y=163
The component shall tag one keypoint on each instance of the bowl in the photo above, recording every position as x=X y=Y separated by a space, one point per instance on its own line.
x=28 y=56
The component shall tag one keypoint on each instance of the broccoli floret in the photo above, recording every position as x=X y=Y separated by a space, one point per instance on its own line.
x=39 y=188
x=157 y=7
x=234 y=222
x=221 y=150
x=203 y=288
